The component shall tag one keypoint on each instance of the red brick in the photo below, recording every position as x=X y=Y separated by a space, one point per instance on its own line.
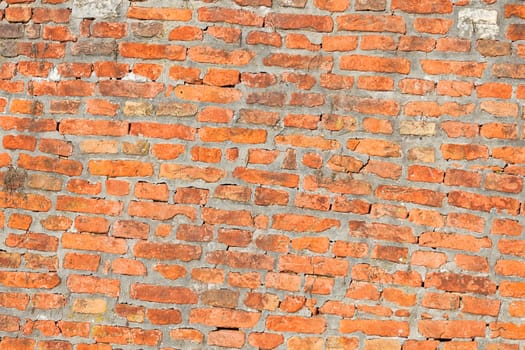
x=471 y=263
x=227 y=338
x=226 y=34
x=185 y=33
x=160 y=211
x=426 y=217
x=305 y=22
x=195 y=233
x=213 y=276
x=247 y=280
x=506 y=227
x=375 y=147
x=454 y=88
x=415 y=43
x=451 y=329
x=232 y=16
x=187 y=334
x=512 y=247
x=17 y=343
x=166 y=251
x=375 y=64
x=263 y=38
x=381 y=231
x=499 y=131
x=91 y=284
x=296 y=324
x=159 y=13
x=204 y=54
x=162 y=294
x=480 y=202
x=432 y=25
x=375 y=327
x=386 y=170
x=425 y=7
x=441 y=301
x=109 y=30
x=480 y=306
x=304 y=62
x=371 y=23
x=507 y=330
x=32 y=241
x=33 y=202
x=48 y=301
x=125 y=335
x=220 y=317
x=94 y=243
x=120 y=88
x=77 y=261
x=460 y=283
x=171 y=272
x=413 y=195
x=454 y=241
x=461 y=68
x=14 y=300
x=503 y=183
x=453 y=45
x=264 y=340
x=57 y=33
x=336 y=82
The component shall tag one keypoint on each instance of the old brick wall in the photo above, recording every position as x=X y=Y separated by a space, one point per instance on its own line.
x=260 y=174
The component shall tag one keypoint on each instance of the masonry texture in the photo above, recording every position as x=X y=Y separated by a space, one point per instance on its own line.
x=262 y=174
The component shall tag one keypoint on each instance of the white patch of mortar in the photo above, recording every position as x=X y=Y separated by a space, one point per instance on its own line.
x=54 y=75
x=135 y=77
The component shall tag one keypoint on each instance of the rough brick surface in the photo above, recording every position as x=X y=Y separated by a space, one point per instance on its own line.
x=262 y=174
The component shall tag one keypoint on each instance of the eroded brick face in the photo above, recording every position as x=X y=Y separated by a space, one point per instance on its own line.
x=262 y=174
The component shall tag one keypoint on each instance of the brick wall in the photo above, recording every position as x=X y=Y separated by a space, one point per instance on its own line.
x=260 y=174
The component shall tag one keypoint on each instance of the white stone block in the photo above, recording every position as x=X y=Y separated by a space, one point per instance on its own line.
x=96 y=8
x=479 y=23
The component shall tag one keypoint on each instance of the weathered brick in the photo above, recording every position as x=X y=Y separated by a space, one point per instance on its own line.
x=205 y=54
x=159 y=13
x=460 y=283
x=304 y=62
x=371 y=23
x=305 y=22
x=163 y=294
x=375 y=64
x=220 y=317
x=451 y=329
x=375 y=327
x=424 y=7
